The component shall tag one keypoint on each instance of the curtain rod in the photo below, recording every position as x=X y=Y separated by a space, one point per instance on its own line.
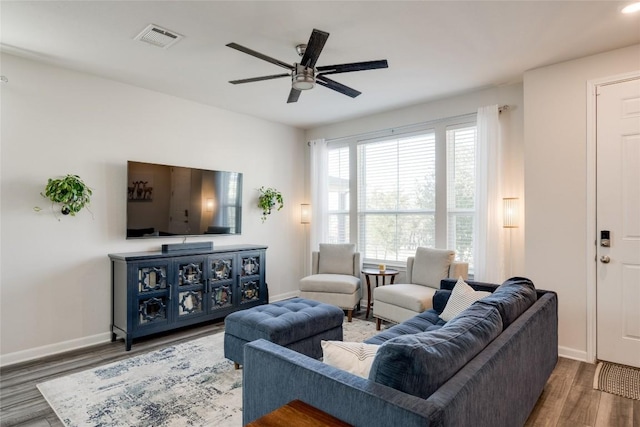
x=406 y=128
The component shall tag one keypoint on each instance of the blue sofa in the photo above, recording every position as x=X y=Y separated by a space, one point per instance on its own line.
x=496 y=382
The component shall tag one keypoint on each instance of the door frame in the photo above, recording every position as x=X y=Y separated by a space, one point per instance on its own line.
x=592 y=232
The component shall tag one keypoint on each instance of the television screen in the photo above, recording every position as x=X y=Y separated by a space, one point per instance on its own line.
x=167 y=200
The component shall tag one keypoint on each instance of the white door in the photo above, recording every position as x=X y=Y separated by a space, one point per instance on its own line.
x=618 y=212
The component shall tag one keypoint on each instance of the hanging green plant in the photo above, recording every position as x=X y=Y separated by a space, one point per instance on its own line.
x=70 y=192
x=267 y=201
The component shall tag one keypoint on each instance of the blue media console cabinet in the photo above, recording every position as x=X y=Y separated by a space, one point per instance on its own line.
x=155 y=292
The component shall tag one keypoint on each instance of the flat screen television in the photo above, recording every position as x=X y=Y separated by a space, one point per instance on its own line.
x=164 y=200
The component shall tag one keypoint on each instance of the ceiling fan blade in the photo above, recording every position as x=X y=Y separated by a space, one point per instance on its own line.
x=338 y=87
x=259 y=79
x=293 y=95
x=354 y=66
x=252 y=52
x=314 y=48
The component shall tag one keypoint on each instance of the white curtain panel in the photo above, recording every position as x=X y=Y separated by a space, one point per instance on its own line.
x=489 y=244
x=319 y=190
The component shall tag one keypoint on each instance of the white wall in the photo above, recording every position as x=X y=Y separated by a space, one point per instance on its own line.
x=511 y=120
x=556 y=183
x=55 y=275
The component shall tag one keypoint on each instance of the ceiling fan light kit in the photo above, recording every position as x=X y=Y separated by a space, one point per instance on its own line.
x=305 y=75
x=303 y=78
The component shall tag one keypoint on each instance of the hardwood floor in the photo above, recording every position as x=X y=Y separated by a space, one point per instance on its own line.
x=567 y=400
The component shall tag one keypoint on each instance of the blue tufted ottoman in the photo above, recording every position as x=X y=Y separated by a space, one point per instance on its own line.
x=299 y=324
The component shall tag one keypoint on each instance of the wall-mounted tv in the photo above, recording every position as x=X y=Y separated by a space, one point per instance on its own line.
x=164 y=200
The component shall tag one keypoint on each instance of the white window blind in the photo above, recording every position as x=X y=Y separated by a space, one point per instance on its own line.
x=396 y=197
x=338 y=200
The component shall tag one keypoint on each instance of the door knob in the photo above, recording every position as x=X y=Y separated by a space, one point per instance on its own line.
x=605 y=259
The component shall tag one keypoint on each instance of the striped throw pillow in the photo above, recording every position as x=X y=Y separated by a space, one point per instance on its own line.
x=354 y=357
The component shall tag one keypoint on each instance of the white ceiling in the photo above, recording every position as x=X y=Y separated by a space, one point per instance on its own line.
x=434 y=48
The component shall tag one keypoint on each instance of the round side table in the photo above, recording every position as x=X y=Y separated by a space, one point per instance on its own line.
x=389 y=272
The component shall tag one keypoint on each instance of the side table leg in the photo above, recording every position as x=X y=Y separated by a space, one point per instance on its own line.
x=368 y=296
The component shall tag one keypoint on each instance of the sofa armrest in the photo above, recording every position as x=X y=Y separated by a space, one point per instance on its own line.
x=274 y=375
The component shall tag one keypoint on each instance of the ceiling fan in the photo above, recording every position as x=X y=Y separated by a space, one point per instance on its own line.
x=305 y=74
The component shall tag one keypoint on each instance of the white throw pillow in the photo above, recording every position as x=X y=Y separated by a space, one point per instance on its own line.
x=430 y=266
x=462 y=296
x=336 y=258
x=354 y=357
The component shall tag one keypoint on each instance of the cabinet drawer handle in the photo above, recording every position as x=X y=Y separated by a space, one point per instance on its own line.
x=169 y=286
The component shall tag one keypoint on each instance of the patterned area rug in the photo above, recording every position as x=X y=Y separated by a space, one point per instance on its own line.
x=617 y=379
x=189 y=384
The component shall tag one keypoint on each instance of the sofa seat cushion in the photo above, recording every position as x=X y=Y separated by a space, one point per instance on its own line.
x=512 y=298
x=423 y=322
x=416 y=298
x=419 y=364
x=331 y=283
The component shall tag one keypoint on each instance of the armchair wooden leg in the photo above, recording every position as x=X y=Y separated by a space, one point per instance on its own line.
x=378 y=323
x=236 y=365
x=349 y=315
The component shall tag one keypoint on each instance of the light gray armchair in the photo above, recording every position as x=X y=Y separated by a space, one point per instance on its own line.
x=399 y=302
x=335 y=277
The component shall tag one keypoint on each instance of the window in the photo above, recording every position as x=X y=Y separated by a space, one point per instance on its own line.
x=396 y=197
x=412 y=189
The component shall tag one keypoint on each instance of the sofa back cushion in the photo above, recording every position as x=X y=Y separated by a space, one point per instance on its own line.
x=512 y=298
x=336 y=258
x=430 y=266
x=419 y=364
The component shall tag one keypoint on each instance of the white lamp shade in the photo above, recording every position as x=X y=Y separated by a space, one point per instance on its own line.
x=510 y=212
x=305 y=213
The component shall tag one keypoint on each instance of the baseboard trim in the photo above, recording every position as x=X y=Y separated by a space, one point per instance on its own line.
x=52 y=349
x=80 y=343
x=284 y=296
x=571 y=353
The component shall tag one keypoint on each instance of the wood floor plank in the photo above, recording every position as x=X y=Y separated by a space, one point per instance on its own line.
x=550 y=404
x=580 y=407
x=614 y=411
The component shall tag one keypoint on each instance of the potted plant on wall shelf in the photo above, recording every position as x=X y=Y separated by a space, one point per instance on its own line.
x=70 y=192
x=268 y=199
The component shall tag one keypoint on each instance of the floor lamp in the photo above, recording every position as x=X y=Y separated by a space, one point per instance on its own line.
x=305 y=219
x=510 y=221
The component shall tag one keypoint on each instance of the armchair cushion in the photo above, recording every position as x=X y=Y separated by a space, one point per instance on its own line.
x=412 y=297
x=330 y=283
x=336 y=258
x=431 y=265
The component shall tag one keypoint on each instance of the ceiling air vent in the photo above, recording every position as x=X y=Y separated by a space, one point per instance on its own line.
x=158 y=36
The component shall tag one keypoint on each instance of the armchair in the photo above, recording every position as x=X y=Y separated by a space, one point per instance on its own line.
x=399 y=302
x=335 y=277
